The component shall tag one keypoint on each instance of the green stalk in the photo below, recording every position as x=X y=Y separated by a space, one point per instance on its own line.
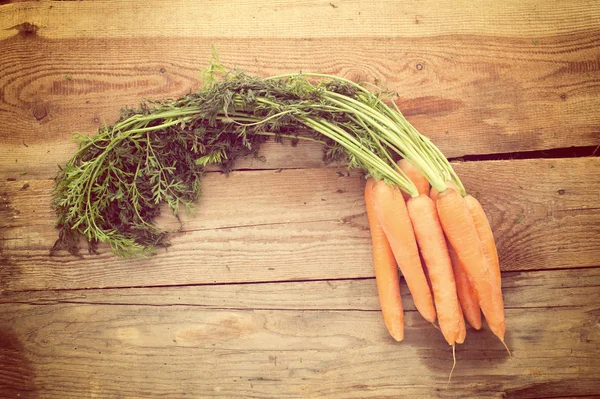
x=429 y=155
x=399 y=140
x=442 y=161
x=367 y=157
x=383 y=150
x=356 y=119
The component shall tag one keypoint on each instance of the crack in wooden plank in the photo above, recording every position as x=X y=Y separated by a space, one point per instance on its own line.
x=175 y=286
x=550 y=153
x=215 y=308
x=552 y=269
x=573 y=210
x=229 y=227
x=242 y=226
x=199 y=284
x=192 y=305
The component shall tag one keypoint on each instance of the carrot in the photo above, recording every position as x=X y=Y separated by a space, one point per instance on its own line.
x=432 y=244
x=425 y=271
x=437 y=258
x=386 y=272
x=415 y=176
x=462 y=235
x=486 y=236
x=462 y=327
x=422 y=184
x=433 y=193
x=392 y=214
x=466 y=295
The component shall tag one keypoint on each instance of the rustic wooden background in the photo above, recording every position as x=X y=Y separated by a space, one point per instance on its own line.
x=269 y=291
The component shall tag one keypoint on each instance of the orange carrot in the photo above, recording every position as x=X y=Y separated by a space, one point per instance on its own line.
x=486 y=236
x=462 y=234
x=433 y=193
x=415 y=176
x=462 y=332
x=392 y=214
x=466 y=295
x=386 y=272
x=425 y=271
x=422 y=185
x=432 y=244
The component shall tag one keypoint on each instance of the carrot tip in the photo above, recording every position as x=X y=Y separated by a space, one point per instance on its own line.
x=397 y=335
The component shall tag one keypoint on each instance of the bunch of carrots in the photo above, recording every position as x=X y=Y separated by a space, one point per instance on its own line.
x=460 y=276
x=417 y=207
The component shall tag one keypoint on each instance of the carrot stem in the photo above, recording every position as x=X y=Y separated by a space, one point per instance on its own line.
x=394 y=129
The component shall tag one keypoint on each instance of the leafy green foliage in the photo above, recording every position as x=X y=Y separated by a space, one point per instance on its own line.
x=114 y=186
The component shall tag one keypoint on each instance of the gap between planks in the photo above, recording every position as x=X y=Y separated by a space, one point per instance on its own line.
x=242 y=309
x=260 y=282
x=543 y=290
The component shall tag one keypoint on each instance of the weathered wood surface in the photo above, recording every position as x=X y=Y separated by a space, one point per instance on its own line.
x=308 y=224
x=522 y=290
x=305 y=340
x=308 y=19
x=268 y=291
x=174 y=352
x=509 y=81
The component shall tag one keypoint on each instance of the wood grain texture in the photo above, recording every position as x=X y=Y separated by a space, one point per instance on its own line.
x=174 y=347
x=308 y=224
x=522 y=290
x=306 y=19
x=268 y=291
x=470 y=94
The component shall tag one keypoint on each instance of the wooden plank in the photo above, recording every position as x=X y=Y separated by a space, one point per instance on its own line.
x=470 y=94
x=546 y=191
x=307 y=19
x=476 y=77
x=243 y=198
x=543 y=211
x=177 y=350
x=530 y=289
x=290 y=251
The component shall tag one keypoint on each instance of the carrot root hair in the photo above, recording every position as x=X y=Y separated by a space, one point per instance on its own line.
x=453 y=364
x=508 y=350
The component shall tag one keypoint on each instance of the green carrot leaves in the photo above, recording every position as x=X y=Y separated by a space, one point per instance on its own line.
x=114 y=186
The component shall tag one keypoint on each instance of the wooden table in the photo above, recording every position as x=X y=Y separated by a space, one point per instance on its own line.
x=269 y=292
